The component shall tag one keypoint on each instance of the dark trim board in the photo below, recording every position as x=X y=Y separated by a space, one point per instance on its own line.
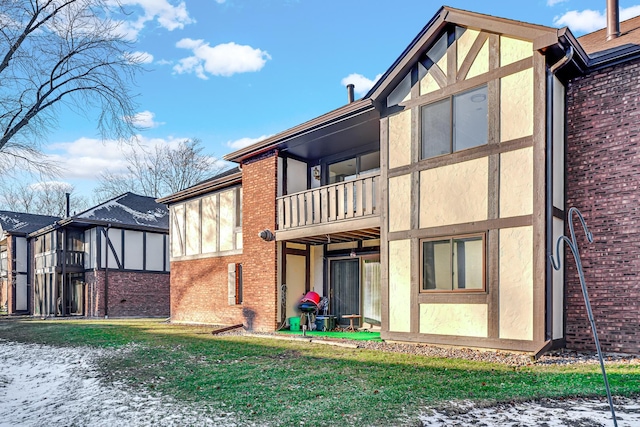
x=466 y=228
x=474 y=153
x=461 y=86
x=559 y=213
x=463 y=341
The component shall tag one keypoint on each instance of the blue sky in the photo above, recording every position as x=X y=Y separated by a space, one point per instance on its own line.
x=230 y=72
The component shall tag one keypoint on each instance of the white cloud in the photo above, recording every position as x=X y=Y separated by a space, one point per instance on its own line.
x=47 y=185
x=144 y=119
x=221 y=60
x=164 y=62
x=362 y=84
x=139 y=57
x=245 y=142
x=86 y=158
x=588 y=20
x=552 y=3
x=168 y=16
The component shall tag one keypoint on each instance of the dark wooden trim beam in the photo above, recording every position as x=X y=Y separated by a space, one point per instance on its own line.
x=466 y=228
x=447 y=91
x=463 y=341
x=559 y=213
x=475 y=49
x=438 y=75
x=539 y=198
x=463 y=156
x=297 y=252
x=497 y=25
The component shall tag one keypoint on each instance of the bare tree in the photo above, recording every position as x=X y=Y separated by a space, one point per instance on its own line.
x=57 y=54
x=42 y=198
x=159 y=171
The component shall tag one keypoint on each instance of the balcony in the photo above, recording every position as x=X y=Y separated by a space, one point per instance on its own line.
x=344 y=211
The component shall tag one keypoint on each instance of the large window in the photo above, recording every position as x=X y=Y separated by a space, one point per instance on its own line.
x=207 y=225
x=455 y=123
x=350 y=169
x=453 y=264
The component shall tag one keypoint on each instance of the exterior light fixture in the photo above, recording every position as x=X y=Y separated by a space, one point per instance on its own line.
x=267 y=235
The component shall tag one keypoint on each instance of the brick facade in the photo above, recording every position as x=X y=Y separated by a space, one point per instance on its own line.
x=199 y=291
x=130 y=294
x=260 y=274
x=199 y=287
x=603 y=181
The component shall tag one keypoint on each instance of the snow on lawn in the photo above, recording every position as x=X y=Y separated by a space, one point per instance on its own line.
x=42 y=385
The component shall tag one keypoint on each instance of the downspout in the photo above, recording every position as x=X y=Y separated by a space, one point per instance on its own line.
x=63 y=307
x=549 y=192
x=106 y=273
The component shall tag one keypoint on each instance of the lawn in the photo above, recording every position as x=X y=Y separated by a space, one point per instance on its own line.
x=265 y=381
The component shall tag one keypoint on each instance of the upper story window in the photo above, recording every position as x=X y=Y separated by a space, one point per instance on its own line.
x=207 y=225
x=350 y=169
x=455 y=123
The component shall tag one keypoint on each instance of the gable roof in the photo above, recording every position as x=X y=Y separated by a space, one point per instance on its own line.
x=596 y=45
x=24 y=223
x=541 y=35
x=128 y=209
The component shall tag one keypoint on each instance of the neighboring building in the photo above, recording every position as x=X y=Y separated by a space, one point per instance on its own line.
x=110 y=260
x=15 y=286
x=430 y=206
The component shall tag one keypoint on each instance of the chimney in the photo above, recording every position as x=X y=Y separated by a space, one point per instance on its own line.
x=350 y=95
x=613 y=19
x=67 y=195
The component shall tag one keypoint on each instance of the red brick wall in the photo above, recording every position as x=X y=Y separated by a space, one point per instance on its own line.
x=259 y=187
x=199 y=292
x=199 y=288
x=130 y=294
x=603 y=181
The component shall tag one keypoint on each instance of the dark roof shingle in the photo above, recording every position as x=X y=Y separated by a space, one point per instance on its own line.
x=129 y=209
x=17 y=222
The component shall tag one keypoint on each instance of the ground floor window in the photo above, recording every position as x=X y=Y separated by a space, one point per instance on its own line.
x=453 y=263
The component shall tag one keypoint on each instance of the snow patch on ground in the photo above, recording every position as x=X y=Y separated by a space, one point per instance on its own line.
x=43 y=385
x=59 y=386
x=546 y=412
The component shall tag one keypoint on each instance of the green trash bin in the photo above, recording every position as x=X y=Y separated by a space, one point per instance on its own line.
x=294 y=323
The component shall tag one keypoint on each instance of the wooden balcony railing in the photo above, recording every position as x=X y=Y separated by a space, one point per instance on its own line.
x=331 y=203
x=72 y=258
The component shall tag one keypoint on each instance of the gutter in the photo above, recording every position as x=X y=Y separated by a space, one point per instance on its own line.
x=551 y=71
x=202 y=188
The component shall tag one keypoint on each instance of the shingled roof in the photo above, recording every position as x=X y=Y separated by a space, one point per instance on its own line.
x=128 y=209
x=596 y=44
x=18 y=222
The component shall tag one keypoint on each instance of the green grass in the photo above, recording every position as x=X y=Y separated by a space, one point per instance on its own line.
x=266 y=381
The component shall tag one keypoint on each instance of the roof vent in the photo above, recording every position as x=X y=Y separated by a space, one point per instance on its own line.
x=350 y=94
x=613 y=19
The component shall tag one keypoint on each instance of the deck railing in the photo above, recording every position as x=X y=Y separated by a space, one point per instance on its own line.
x=334 y=202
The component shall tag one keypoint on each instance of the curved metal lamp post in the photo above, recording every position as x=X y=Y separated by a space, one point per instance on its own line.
x=573 y=245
